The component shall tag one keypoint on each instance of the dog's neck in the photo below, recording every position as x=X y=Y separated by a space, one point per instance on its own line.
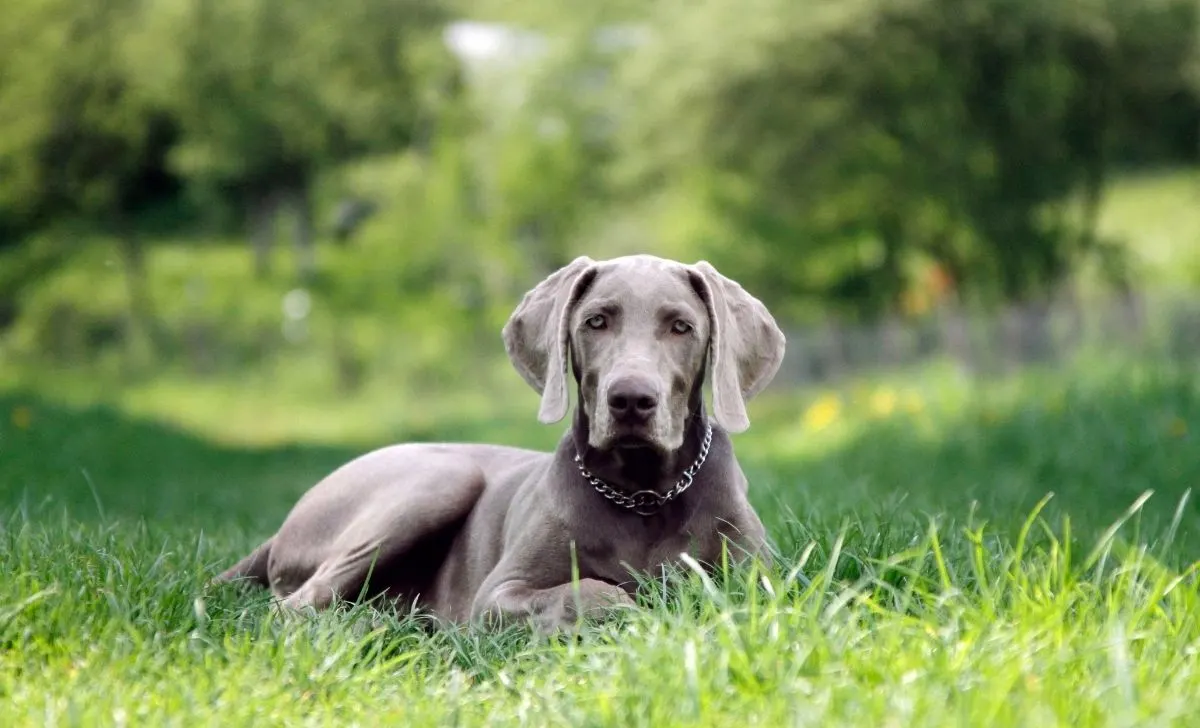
x=635 y=469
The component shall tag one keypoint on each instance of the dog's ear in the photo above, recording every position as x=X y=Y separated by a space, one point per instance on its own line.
x=536 y=335
x=745 y=345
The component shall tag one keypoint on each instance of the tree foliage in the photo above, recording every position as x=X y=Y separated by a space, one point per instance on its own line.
x=828 y=151
x=76 y=136
x=267 y=90
x=850 y=139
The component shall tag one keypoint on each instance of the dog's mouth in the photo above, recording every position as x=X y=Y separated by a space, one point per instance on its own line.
x=630 y=441
x=632 y=436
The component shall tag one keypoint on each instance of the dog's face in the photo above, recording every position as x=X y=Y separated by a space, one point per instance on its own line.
x=639 y=331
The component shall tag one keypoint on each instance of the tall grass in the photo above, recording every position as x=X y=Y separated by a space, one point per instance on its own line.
x=106 y=625
x=1019 y=552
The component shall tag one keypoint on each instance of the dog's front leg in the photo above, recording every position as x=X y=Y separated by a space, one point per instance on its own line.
x=558 y=608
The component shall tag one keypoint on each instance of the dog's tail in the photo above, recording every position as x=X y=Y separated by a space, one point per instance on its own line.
x=251 y=569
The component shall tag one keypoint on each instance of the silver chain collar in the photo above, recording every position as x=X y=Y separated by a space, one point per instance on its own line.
x=648 y=502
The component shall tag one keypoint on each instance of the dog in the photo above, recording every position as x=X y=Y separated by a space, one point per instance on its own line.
x=480 y=532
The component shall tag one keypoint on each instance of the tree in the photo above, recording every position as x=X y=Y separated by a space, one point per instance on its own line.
x=267 y=92
x=79 y=141
x=841 y=143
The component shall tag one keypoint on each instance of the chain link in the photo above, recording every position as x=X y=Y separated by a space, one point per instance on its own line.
x=648 y=502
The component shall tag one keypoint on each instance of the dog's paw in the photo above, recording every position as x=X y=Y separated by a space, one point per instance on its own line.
x=589 y=601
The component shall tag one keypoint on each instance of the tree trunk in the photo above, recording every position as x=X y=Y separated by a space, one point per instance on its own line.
x=306 y=254
x=890 y=276
x=140 y=339
x=1095 y=164
x=262 y=209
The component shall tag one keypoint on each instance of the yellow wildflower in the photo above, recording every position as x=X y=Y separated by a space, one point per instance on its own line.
x=883 y=402
x=823 y=412
x=22 y=417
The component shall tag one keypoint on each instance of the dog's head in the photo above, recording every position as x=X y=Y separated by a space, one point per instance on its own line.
x=638 y=333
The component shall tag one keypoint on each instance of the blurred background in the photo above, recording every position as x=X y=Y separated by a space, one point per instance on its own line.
x=271 y=221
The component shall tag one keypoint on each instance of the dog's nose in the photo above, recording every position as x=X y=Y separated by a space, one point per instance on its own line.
x=632 y=398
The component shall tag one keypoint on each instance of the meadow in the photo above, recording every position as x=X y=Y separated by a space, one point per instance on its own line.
x=196 y=325
x=1017 y=551
x=954 y=549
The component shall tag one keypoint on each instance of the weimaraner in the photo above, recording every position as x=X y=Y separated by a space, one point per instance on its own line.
x=485 y=532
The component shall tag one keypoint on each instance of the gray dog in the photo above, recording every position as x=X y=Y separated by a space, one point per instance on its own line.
x=472 y=531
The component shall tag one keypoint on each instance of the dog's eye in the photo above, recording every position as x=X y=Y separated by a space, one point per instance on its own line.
x=681 y=327
x=595 y=322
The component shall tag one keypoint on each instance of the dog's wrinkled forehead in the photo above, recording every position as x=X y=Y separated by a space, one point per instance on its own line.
x=643 y=283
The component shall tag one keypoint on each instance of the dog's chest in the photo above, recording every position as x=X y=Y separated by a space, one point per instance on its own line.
x=647 y=546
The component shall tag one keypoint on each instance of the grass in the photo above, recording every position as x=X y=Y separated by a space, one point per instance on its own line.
x=1156 y=214
x=1017 y=552
x=926 y=577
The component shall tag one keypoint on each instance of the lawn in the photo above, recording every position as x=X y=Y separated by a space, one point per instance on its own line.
x=1158 y=216
x=923 y=579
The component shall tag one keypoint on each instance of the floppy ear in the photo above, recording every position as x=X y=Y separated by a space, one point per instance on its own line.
x=536 y=334
x=745 y=345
